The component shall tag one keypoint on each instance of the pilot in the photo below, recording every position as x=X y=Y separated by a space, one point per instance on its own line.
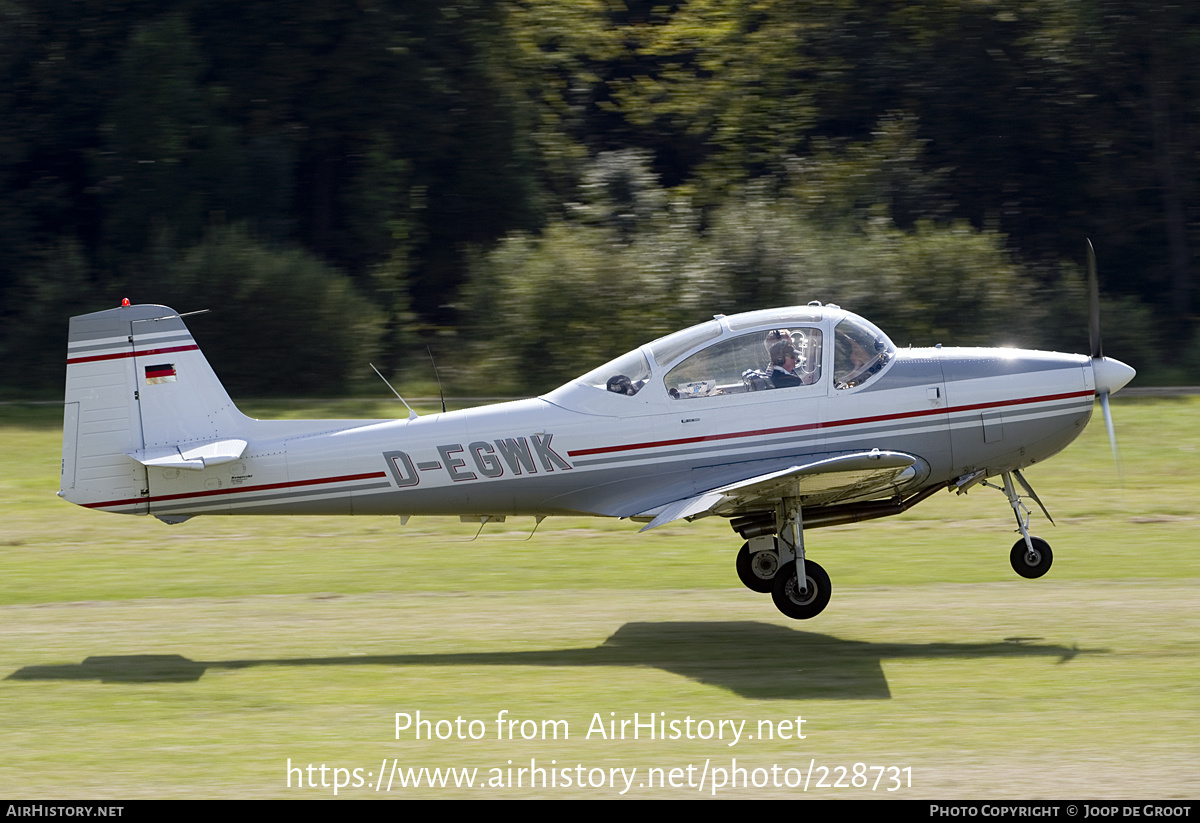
x=776 y=335
x=783 y=365
x=774 y=338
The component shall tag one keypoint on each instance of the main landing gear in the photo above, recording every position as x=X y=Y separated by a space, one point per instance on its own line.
x=757 y=563
x=1030 y=556
x=774 y=563
x=801 y=602
x=772 y=560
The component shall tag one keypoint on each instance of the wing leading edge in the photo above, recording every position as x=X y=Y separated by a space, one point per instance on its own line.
x=845 y=477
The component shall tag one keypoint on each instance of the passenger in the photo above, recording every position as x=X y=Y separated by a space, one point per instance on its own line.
x=621 y=384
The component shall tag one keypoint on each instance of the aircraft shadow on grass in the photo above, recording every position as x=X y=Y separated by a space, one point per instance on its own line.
x=754 y=660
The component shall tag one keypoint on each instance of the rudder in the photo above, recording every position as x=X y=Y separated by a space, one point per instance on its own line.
x=139 y=392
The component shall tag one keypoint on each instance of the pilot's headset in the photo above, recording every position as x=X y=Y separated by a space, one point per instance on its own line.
x=774 y=338
x=780 y=351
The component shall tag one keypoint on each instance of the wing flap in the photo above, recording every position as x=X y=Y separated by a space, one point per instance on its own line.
x=841 y=477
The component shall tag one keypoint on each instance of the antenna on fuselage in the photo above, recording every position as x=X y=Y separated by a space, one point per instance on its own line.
x=439 y=378
x=536 y=523
x=411 y=414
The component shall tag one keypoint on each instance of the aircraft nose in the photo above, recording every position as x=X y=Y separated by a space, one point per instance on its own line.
x=1110 y=375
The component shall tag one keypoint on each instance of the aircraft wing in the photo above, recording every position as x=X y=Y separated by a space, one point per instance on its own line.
x=824 y=481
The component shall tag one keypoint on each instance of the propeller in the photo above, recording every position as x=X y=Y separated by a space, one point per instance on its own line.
x=1110 y=375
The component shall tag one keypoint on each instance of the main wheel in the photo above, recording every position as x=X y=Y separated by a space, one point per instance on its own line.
x=1031 y=564
x=757 y=570
x=796 y=602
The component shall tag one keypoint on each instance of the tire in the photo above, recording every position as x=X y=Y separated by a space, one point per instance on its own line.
x=801 y=604
x=757 y=571
x=1029 y=567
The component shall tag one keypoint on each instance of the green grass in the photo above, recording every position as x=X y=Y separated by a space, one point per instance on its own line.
x=142 y=660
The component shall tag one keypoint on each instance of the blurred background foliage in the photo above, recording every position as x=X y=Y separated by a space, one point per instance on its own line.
x=530 y=187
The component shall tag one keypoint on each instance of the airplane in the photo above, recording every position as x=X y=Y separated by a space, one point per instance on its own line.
x=710 y=420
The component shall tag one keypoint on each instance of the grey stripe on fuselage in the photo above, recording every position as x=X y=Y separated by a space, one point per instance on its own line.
x=908 y=371
x=960 y=367
x=114 y=322
x=117 y=343
x=917 y=368
x=250 y=497
x=1018 y=414
x=829 y=432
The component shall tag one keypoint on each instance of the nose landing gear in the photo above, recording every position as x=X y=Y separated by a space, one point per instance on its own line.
x=1032 y=560
x=1030 y=556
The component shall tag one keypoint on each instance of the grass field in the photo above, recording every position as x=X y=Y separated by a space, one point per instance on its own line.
x=144 y=660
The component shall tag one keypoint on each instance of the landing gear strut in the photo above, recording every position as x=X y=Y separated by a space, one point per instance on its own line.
x=1030 y=556
x=774 y=562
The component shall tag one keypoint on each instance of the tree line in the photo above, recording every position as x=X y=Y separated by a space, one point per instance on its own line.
x=529 y=187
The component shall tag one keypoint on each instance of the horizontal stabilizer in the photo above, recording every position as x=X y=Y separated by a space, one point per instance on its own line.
x=195 y=457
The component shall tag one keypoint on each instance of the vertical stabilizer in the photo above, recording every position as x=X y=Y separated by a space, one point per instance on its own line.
x=139 y=392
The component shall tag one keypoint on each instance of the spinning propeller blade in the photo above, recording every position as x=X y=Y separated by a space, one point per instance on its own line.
x=1110 y=375
x=1093 y=304
x=1112 y=433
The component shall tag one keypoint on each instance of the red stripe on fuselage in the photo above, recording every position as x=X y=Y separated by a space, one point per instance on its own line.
x=855 y=421
x=209 y=493
x=119 y=355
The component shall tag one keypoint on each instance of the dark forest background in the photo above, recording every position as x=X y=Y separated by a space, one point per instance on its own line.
x=530 y=187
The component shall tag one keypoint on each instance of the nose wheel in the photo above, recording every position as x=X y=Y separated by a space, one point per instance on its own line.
x=1030 y=556
x=1031 y=560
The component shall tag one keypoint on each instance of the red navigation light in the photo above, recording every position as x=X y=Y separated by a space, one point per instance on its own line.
x=124 y=301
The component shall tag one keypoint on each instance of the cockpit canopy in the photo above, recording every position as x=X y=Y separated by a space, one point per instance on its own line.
x=807 y=348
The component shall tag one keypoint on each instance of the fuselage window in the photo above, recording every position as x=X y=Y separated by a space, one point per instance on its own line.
x=760 y=361
x=860 y=352
x=625 y=375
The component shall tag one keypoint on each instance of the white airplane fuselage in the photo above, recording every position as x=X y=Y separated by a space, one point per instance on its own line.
x=577 y=450
x=779 y=420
